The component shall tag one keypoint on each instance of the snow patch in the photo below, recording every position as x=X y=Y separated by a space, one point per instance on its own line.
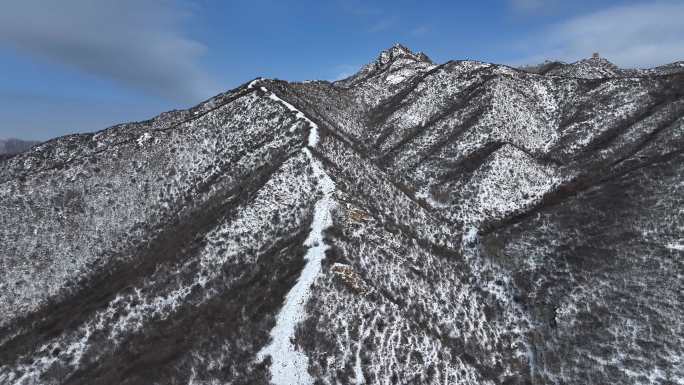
x=358 y=370
x=675 y=246
x=313 y=134
x=394 y=78
x=289 y=366
x=470 y=236
x=144 y=138
x=253 y=83
x=425 y=194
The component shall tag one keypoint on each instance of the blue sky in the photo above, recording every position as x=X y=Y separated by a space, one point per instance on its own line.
x=81 y=65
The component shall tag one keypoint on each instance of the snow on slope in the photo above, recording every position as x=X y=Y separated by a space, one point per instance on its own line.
x=495 y=226
x=289 y=365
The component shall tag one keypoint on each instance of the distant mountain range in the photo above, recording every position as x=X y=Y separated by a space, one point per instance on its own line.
x=415 y=223
x=15 y=146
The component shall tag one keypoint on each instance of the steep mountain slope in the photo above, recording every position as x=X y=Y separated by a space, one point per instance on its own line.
x=416 y=223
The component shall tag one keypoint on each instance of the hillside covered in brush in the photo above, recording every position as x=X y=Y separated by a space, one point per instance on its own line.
x=415 y=223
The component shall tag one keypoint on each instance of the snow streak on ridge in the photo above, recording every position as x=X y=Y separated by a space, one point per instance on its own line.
x=289 y=366
x=313 y=134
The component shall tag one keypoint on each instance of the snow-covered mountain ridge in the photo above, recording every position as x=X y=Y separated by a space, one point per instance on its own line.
x=416 y=223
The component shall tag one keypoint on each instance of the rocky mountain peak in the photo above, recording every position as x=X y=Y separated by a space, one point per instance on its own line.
x=598 y=61
x=397 y=58
x=399 y=51
x=589 y=68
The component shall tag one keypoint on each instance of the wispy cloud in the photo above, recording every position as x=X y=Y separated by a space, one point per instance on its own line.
x=137 y=43
x=420 y=30
x=639 y=35
x=380 y=19
x=384 y=23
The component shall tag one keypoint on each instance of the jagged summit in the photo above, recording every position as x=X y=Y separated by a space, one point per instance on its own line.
x=463 y=223
x=396 y=62
x=589 y=68
x=596 y=67
x=399 y=51
x=598 y=62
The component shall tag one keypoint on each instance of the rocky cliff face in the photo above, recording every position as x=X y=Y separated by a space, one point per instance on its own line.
x=416 y=223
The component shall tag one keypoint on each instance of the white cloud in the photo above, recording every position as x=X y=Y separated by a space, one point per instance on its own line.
x=421 y=30
x=136 y=43
x=384 y=23
x=641 y=35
